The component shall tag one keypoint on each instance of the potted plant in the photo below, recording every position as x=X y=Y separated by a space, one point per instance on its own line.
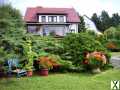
x=29 y=70
x=95 y=61
x=44 y=65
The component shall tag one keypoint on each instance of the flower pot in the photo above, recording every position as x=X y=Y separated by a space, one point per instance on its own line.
x=29 y=73
x=43 y=72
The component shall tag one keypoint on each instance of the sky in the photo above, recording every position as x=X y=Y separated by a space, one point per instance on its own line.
x=87 y=7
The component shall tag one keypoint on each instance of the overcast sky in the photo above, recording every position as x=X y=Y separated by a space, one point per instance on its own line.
x=87 y=7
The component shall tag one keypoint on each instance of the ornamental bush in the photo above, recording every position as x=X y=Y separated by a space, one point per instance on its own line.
x=75 y=45
x=112 y=36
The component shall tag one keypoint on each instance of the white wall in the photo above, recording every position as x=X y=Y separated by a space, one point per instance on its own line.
x=89 y=24
x=73 y=26
x=40 y=19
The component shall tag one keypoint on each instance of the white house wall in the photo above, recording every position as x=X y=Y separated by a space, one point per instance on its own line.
x=40 y=18
x=74 y=27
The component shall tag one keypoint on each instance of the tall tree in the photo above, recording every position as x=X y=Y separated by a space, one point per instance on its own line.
x=103 y=21
x=11 y=26
x=106 y=20
x=115 y=19
x=81 y=25
x=97 y=21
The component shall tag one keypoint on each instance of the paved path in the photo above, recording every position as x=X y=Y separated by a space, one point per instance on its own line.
x=115 y=60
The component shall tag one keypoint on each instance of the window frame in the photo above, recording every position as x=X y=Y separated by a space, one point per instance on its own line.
x=43 y=20
x=61 y=18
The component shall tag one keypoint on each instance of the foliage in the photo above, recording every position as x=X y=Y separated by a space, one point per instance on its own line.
x=81 y=25
x=110 y=33
x=2 y=55
x=54 y=63
x=45 y=63
x=29 y=54
x=104 y=21
x=47 y=44
x=11 y=24
x=95 y=18
x=66 y=66
x=111 y=45
x=112 y=36
x=11 y=29
x=101 y=38
x=76 y=44
x=115 y=19
x=48 y=61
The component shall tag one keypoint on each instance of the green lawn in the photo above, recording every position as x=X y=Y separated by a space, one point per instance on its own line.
x=68 y=81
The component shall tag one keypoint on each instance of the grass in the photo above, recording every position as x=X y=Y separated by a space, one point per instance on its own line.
x=68 y=81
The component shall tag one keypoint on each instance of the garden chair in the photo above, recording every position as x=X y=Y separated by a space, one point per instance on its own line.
x=13 y=63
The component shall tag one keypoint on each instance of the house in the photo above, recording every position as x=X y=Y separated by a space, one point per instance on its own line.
x=51 y=21
x=89 y=24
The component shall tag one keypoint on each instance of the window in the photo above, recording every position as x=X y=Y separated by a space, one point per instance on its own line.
x=61 y=18
x=32 y=29
x=52 y=19
x=43 y=19
x=55 y=18
x=49 y=19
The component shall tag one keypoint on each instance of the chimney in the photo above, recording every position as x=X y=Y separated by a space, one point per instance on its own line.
x=39 y=7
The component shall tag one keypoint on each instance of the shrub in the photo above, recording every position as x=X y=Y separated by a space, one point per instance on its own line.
x=112 y=36
x=111 y=45
x=59 y=64
x=47 y=44
x=54 y=63
x=65 y=66
x=49 y=61
x=75 y=45
x=29 y=54
x=45 y=63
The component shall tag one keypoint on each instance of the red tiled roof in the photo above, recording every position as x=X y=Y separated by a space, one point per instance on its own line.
x=31 y=13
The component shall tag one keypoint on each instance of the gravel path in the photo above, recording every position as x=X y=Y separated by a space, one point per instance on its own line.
x=115 y=60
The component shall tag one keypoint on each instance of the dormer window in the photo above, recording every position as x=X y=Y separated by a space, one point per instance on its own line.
x=61 y=18
x=55 y=18
x=52 y=18
x=43 y=18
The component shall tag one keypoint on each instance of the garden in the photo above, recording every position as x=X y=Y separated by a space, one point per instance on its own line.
x=74 y=62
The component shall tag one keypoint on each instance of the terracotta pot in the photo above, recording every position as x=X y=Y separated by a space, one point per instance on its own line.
x=43 y=72
x=29 y=73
